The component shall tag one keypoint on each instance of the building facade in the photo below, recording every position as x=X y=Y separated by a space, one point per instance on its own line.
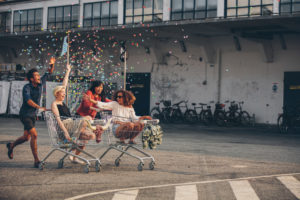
x=195 y=50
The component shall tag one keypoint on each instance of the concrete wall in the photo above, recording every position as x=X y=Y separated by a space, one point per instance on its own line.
x=194 y=75
x=245 y=75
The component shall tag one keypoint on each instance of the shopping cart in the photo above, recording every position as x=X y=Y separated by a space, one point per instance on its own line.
x=67 y=147
x=114 y=143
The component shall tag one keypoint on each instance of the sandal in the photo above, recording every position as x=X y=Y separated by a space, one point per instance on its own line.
x=10 y=151
x=131 y=142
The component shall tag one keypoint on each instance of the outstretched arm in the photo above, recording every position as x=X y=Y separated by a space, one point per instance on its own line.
x=66 y=78
x=60 y=123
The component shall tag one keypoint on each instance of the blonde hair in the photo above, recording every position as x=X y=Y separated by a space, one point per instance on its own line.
x=58 y=89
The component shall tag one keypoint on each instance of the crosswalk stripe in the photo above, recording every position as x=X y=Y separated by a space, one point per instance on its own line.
x=243 y=190
x=186 y=192
x=126 y=195
x=291 y=183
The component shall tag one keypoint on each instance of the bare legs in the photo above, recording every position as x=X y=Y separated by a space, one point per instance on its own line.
x=129 y=131
x=33 y=143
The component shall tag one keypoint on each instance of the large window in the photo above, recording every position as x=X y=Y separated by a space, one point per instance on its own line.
x=28 y=20
x=246 y=8
x=193 y=9
x=5 y=21
x=63 y=17
x=100 y=14
x=143 y=11
x=289 y=7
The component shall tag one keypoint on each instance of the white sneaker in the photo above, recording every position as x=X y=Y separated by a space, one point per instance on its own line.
x=78 y=161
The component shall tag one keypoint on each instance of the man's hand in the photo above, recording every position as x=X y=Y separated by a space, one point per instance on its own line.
x=52 y=63
x=42 y=109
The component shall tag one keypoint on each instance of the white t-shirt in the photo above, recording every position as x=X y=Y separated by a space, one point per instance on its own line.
x=119 y=112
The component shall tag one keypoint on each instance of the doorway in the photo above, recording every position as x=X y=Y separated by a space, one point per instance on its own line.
x=139 y=85
x=291 y=89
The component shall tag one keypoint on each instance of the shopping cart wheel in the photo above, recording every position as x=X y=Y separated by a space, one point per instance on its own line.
x=86 y=169
x=151 y=165
x=117 y=162
x=97 y=166
x=140 y=166
x=60 y=164
x=41 y=165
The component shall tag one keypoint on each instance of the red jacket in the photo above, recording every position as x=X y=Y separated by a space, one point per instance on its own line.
x=84 y=108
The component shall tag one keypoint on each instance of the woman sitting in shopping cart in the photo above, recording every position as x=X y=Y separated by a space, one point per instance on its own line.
x=126 y=125
x=65 y=120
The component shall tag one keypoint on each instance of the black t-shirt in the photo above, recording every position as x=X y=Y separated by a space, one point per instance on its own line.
x=63 y=110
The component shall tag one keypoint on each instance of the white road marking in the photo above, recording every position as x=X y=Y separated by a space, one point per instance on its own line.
x=126 y=195
x=292 y=184
x=177 y=184
x=186 y=192
x=243 y=190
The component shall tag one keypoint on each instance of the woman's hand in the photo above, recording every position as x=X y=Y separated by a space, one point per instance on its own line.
x=67 y=136
x=86 y=97
x=145 y=117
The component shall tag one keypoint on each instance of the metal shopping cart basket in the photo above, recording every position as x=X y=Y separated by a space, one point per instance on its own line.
x=137 y=151
x=66 y=147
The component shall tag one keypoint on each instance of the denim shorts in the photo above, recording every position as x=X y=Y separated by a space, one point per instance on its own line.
x=114 y=128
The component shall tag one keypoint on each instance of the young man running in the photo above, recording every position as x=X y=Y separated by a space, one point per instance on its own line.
x=31 y=99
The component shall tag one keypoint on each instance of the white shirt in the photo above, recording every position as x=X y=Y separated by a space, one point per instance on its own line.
x=119 y=112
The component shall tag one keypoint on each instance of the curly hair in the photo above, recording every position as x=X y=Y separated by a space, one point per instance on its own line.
x=128 y=97
x=95 y=84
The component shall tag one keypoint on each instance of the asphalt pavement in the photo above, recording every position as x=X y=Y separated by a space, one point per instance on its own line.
x=193 y=162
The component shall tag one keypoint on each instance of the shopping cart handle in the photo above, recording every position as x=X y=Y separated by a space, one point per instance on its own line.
x=151 y=121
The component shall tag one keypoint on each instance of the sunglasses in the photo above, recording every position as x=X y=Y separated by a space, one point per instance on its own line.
x=119 y=97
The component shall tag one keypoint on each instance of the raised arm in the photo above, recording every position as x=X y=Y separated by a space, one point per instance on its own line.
x=60 y=123
x=66 y=78
x=50 y=71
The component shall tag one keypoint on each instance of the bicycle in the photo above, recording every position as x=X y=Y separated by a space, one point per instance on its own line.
x=289 y=119
x=155 y=112
x=219 y=114
x=206 y=116
x=244 y=116
x=191 y=116
x=232 y=115
x=177 y=114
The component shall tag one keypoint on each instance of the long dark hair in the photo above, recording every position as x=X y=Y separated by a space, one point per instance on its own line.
x=95 y=84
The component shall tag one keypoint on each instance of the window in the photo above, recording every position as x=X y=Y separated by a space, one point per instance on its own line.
x=193 y=9
x=100 y=14
x=137 y=11
x=289 y=7
x=28 y=20
x=5 y=19
x=246 y=8
x=63 y=17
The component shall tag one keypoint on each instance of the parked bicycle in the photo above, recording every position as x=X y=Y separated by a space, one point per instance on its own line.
x=232 y=115
x=289 y=119
x=164 y=113
x=220 y=114
x=244 y=116
x=177 y=114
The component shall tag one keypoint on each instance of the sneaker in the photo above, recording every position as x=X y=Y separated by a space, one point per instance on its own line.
x=78 y=161
x=10 y=151
x=36 y=164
